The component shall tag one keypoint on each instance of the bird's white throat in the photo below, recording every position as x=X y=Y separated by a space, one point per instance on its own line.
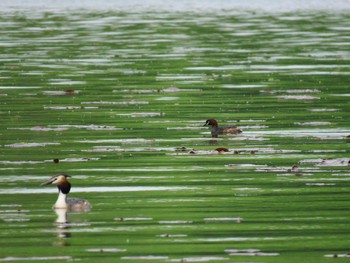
x=61 y=202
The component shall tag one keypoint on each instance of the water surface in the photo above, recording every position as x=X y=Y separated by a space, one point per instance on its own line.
x=116 y=96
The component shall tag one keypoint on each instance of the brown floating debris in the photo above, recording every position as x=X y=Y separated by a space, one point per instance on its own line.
x=70 y=92
x=182 y=149
x=222 y=150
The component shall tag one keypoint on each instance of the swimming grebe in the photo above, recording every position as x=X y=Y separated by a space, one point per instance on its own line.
x=70 y=204
x=216 y=130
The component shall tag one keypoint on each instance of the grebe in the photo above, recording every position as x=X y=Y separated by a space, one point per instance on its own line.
x=216 y=130
x=70 y=204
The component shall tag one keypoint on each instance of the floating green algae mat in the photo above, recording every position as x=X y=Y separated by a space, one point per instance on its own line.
x=118 y=101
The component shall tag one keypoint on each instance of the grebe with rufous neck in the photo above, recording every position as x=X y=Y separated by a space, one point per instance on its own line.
x=63 y=202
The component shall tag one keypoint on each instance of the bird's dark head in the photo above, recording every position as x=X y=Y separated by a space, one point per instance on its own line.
x=61 y=181
x=211 y=122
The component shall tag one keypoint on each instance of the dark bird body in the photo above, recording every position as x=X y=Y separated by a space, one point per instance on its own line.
x=217 y=130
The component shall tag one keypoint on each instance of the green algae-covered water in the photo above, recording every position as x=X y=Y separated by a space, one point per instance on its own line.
x=118 y=99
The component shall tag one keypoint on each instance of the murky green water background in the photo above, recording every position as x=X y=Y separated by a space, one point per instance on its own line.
x=120 y=98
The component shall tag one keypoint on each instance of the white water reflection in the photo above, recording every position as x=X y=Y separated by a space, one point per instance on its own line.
x=298 y=97
x=144 y=169
x=335 y=133
x=31 y=144
x=19 y=87
x=140 y=141
x=179 y=6
x=42 y=259
x=147 y=257
x=249 y=252
x=230 y=86
x=200 y=259
x=223 y=219
x=101 y=189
